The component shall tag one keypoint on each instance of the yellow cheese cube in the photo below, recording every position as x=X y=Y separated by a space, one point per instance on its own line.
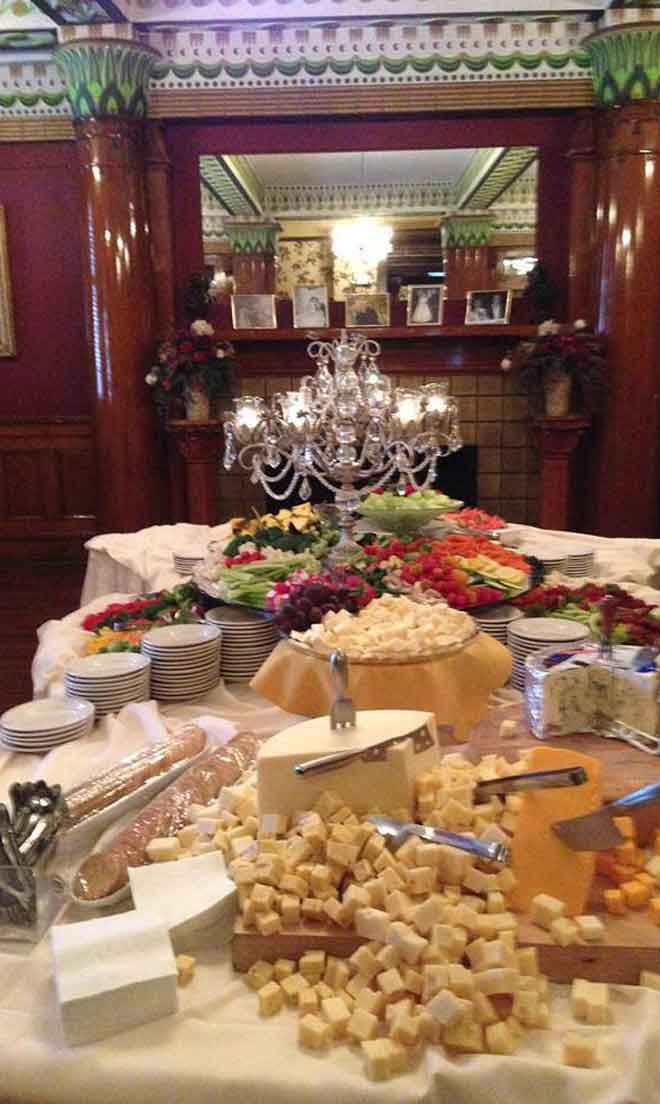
x=163 y=849
x=525 y=1007
x=652 y=867
x=404 y=1029
x=328 y=803
x=398 y=904
x=614 y=901
x=545 y=909
x=292 y=986
x=262 y=897
x=335 y=911
x=362 y=1025
x=399 y=1057
x=283 y=967
x=527 y=959
x=355 y=985
x=446 y=1008
x=312 y=908
x=412 y=979
x=377 y=1053
x=460 y=980
x=372 y=923
x=421 y=880
x=362 y=871
x=636 y=894
x=435 y=977
x=654 y=910
x=495 y=902
x=429 y=912
x=337 y=973
x=387 y=957
x=308 y=1001
x=650 y=979
x=376 y=891
x=391 y=984
x=371 y=1001
x=312 y=964
x=626 y=826
x=294 y=884
x=465 y=1034
x=268 y=922
x=271 y=999
x=365 y=962
x=185 y=968
x=483 y=1010
x=356 y=897
x=343 y=854
x=289 y=910
x=579 y=1050
x=259 y=974
x=406 y=942
x=590 y=1001
x=337 y=1015
x=492 y=982
x=499 y=1038
x=313 y=1032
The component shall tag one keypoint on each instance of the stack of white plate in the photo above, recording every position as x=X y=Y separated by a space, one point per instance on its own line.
x=185 y=660
x=530 y=634
x=581 y=562
x=553 y=557
x=495 y=621
x=248 y=638
x=186 y=562
x=110 y=680
x=38 y=726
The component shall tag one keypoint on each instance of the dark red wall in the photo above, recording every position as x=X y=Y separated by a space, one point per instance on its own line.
x=40 y=194
x=550 y=131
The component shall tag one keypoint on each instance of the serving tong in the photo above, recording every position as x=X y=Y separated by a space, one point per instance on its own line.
x=26 y=833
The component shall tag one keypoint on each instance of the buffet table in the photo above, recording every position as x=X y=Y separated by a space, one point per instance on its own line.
x=216 y=1046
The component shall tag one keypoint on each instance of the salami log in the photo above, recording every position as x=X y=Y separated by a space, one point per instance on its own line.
x=104 y=872
x=131 y=773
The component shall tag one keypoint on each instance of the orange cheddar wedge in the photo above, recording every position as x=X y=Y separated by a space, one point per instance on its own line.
x=541 y=862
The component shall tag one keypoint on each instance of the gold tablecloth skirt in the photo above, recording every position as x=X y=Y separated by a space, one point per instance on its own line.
x=456 y=688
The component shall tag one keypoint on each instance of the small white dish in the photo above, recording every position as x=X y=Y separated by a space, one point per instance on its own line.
x=47 y=715
x=180 y=636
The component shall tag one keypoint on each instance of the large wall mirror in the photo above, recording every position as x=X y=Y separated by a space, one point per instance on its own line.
x=370 y=222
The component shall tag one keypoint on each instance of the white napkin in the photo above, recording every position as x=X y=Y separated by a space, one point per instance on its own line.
x=193 y=897
x=148 y=553
x=112 y=973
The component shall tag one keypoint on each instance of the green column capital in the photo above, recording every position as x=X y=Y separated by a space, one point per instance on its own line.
x=625 y=56
x=106 y=77
x=252 y=235
x=466 y=231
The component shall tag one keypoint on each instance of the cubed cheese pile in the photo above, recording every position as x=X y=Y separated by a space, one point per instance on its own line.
x=633 y=871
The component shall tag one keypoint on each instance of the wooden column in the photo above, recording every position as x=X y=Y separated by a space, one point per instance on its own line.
x=254 y=249
x=557 y=439
x=582 y=225
x=106 y=83
x=627 y=478
x=159 y=202
x=200 y=445
x=467 y=256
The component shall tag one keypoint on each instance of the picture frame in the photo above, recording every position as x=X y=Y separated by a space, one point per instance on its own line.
x=311 y=310
x=370 y=309
x=425 y=304
x=253 y=312
x=7 y=332
x=488 y=308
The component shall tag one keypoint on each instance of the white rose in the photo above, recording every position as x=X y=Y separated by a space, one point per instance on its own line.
x=151 y=379
x=579 y=324
x=220 y=354
x=200 y=328
x=549 y=327
x=505 y=364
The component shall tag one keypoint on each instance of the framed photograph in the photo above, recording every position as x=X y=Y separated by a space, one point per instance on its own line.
x=253 y=312
x=368 y=310
x=487 y=308
x=310 y=306
x=424 y=305
x=7 y=338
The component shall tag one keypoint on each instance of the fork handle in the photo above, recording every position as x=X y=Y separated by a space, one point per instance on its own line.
x=646 y=795
x=339 y=670
x=534 y=780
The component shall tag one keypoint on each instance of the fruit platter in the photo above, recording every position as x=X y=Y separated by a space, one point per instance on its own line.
x=473 y=520
x=406 y=511
x=635 y=621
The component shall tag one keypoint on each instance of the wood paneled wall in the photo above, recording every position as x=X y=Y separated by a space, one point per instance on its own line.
x=47 y=497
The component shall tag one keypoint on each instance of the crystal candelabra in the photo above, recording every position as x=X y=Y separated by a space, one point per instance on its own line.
x=348 y=429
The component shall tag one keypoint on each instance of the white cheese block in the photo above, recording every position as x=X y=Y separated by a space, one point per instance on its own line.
x=194 y=898
x=112 y=974
x=582 y=694
x=388 y=783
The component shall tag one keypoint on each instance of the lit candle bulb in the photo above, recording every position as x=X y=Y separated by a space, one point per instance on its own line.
x=407 y=406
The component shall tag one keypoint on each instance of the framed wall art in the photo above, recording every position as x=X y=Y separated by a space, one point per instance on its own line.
x=487 y=308
x=253 y=312
x=424 y=305
x=310 y=306
x=7 y=336
x=371 y=309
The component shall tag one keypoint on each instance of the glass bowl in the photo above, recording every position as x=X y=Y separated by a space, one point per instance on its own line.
x=403 y=522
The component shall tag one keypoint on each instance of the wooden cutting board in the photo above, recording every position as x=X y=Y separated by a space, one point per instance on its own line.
x=632 y=942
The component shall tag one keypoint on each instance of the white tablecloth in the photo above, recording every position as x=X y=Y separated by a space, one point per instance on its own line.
x=216 y=1048
x=141 y=562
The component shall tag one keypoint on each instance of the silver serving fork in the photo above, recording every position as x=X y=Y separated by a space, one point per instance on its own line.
x=342 y=712
x=643 y=741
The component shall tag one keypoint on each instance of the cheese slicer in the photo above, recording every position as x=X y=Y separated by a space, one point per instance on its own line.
x=397 y=832
x=342 y=712
x=597 y=831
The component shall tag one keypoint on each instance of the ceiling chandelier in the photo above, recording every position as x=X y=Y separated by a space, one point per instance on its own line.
x=348 y=429
x=362 y=245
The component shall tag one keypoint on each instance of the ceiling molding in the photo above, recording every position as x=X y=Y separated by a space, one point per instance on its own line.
x=36 y=129
x=506 y=170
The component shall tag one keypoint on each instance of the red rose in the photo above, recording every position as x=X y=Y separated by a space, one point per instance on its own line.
x=199 y=358
x=186 y=347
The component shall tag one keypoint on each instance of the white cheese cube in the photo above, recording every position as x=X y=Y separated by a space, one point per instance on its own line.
x=292 y=986
x=435 y=977
x=337 y=1015
x=446 y=1008
x=590 y=928
x=407 y=942
x=377 y=1053
x=371 y=923
x=313 y=1032
x=163 y=849
x=271 y=999
x=372 y=1001
x=362 y=1025
x=391 y=984
x=590 y=1001
x=650 y=979
x=499 y=1039
x=564 y=931
x=652 y=867
x=490 y=982
x=259 y=974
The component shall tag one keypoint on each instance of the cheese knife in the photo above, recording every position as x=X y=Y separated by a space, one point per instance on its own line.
x=597 y=831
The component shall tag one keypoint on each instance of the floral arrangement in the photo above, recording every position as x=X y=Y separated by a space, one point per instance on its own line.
x=559 y=351
x=195 y=361
x=161 y=607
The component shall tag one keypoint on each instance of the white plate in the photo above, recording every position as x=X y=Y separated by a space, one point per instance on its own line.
x=109 y=684
x=107 y=665
x=180 y=659
x=180 y=636
x=45 y=733
x=185 y=663
x=184 y=673
x=48 y=714
x=551 y=629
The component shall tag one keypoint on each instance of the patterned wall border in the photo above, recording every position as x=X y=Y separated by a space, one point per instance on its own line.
x=228 y=70
x=509 y=167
